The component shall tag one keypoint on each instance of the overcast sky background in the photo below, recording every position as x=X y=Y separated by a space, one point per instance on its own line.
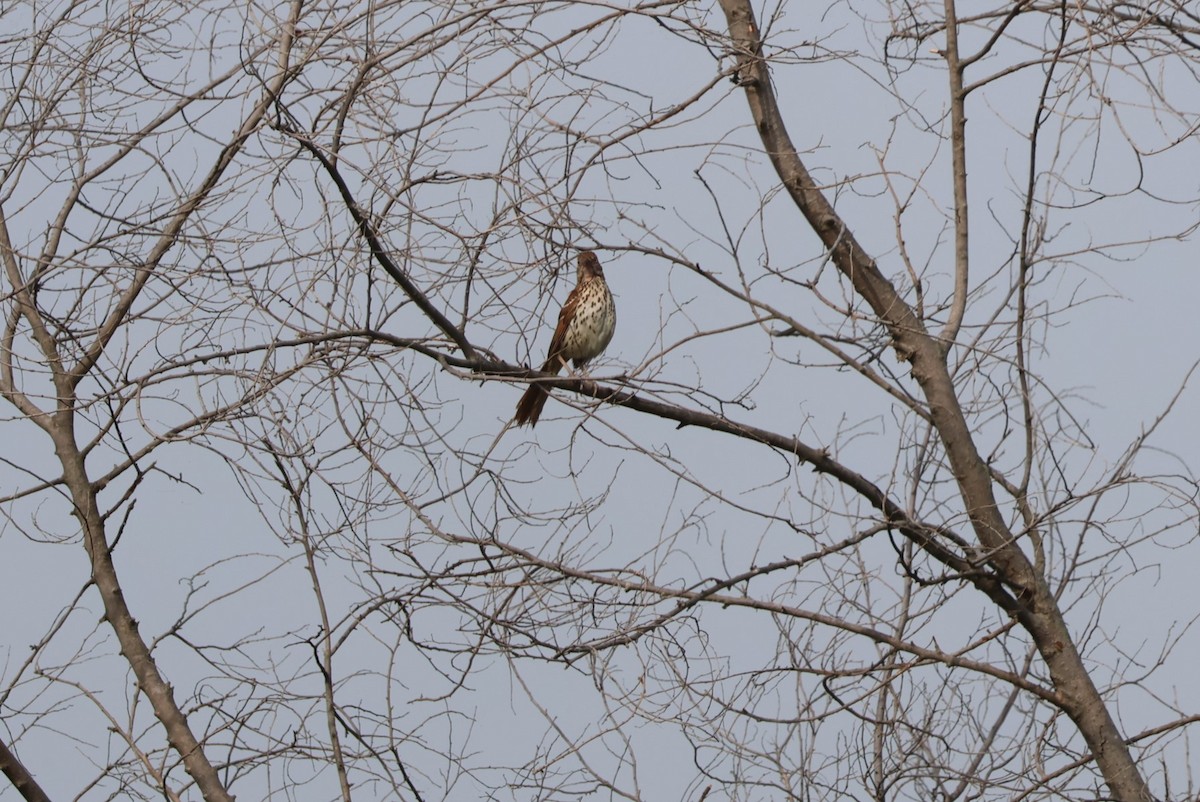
x=1118 y=351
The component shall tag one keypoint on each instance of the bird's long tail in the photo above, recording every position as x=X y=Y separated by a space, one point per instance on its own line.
x=529 y=408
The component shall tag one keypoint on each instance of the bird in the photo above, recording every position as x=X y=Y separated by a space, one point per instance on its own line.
x=585 y=327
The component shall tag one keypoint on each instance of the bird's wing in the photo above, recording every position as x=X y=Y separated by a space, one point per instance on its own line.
x=554 y=358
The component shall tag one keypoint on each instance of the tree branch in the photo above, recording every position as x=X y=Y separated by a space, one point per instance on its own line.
x=20 y=777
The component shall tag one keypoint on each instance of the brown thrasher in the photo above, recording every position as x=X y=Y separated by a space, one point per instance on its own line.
x=585 y=326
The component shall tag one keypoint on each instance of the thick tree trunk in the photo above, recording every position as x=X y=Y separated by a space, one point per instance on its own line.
x=117 y=613
x=1039 y=614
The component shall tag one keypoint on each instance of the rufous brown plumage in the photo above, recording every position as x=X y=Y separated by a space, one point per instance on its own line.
x=585 y=327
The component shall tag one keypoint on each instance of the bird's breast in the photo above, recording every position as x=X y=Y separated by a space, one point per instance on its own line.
x=592 y=325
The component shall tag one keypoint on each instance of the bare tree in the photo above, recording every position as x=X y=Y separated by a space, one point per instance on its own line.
x=832 y=519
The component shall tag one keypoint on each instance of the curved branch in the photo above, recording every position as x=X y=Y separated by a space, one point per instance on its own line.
x=379 y=252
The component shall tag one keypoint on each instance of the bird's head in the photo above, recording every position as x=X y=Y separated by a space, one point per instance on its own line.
x=589 y=266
